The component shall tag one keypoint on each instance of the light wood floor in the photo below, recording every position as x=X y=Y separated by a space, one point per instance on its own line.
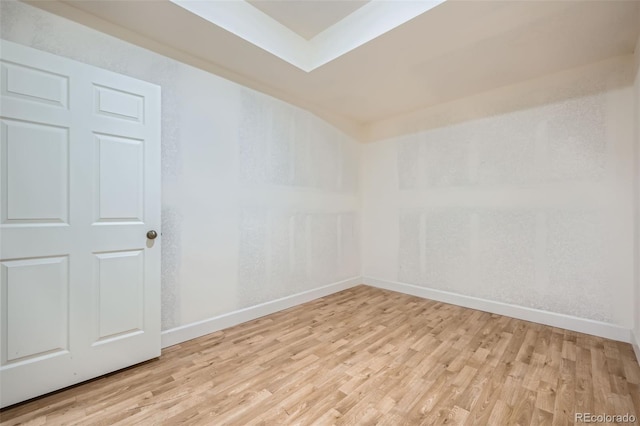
x=362 y=356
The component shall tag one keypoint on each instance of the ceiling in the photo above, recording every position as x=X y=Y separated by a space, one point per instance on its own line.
x=307 y=18
x=364 y=24
x=453 y=50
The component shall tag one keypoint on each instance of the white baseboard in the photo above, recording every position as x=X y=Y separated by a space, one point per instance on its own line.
x=582 y=325
x=635 y=342
x=200 y=328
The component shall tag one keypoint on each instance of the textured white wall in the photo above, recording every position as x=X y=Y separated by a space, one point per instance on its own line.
x=260 y=199
x=531 y=206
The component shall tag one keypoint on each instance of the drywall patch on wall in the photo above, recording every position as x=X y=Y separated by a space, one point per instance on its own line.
x=298 y=253
x=436 y=159
x=446 y=245
x=253 y=126
x=432 y=246
x=349 y=246
x=552 y=260
x=280 y=253
x=170 y=266
x=409 y=247
x=252 y=226
x=579 y=282
x=445 y=156
x=576 y=132
x=447 y=248
x=410 y=170
x=506 y=255
x=556 y=142
x=506 y=149
x=282 y=250
x=282 y=145
x=323 y=248
x=350 y=158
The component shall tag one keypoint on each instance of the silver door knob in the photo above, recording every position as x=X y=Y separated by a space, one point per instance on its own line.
x=152 y=235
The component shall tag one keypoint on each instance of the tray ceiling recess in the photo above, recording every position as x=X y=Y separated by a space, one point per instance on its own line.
x=367 y=22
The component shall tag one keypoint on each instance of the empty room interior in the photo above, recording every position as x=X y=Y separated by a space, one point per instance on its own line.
x=319 y=212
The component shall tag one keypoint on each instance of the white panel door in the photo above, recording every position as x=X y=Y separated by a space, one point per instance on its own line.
x=79 y=190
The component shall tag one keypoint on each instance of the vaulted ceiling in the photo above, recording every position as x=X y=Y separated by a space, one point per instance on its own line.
x=316 y=53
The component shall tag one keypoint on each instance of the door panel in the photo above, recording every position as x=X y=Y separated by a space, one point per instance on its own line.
x=35 y=296
x=35 y=85
x=119 y=104
x=120 y=179
x=36 y=172
x=120 y=282
x=80 y=187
